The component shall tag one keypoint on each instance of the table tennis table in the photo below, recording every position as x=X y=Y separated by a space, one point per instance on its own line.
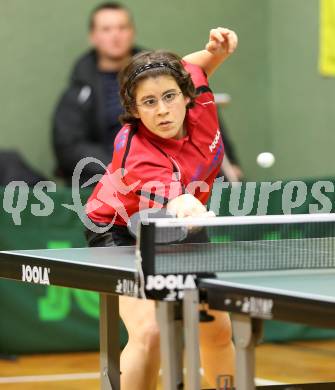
x=299 y=294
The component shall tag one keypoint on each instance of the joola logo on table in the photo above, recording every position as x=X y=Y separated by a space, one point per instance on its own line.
x=170 y=282
x=39 y=275
x=215 y=141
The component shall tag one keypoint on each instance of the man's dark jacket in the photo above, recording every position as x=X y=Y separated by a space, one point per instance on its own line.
x=80 y=121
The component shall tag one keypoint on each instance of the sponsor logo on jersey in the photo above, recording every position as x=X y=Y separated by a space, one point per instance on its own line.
x=215 y=141
x=206 y=103
x=38 y=275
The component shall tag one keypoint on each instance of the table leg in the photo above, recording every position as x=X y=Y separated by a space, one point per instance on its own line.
x=246 y=332
x=191 y=339
x=171 y=345
x=109 y=342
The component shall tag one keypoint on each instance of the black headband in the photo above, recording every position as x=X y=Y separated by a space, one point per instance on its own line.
x=152 y=65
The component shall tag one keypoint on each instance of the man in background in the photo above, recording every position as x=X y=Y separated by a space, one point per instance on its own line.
x=86 y=119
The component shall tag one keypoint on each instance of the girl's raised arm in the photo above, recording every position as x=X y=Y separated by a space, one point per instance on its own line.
x=221 y=44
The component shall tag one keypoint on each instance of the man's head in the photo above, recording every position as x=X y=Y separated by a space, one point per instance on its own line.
x=112 y=30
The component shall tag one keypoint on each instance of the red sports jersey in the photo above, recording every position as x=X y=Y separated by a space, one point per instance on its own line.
x=147 y=170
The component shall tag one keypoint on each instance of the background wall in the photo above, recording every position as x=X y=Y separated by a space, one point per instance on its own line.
x=280 y=102
x=302 y=101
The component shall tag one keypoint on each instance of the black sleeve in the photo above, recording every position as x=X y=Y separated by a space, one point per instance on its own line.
x=228 y=145
x=72 y=134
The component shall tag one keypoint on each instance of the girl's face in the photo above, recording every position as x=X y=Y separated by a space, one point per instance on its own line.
x=161 y=106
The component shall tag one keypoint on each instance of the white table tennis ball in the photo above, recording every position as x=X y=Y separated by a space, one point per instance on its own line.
x=265 y=160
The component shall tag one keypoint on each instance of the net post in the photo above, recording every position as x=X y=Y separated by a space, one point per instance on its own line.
x=147 y=247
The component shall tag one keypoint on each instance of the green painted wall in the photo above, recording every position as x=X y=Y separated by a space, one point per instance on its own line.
x=302 y=101
x=272 y=78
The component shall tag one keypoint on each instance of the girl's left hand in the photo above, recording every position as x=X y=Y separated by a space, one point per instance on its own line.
x=222 y=41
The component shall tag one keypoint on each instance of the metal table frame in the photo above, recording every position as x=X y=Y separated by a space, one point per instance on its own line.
x=172 y=331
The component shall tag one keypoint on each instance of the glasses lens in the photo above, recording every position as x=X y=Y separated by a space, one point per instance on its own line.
x=168 y=99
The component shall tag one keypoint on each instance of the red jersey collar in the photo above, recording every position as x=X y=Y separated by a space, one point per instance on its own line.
x=170 y=146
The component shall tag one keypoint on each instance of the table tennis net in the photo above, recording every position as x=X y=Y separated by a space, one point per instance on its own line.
x=248 y=244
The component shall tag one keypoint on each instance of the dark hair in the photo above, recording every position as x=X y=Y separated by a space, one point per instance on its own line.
x=152 y=64
x=110 y=5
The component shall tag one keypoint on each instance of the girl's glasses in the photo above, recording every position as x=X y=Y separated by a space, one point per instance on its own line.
x=152 y=103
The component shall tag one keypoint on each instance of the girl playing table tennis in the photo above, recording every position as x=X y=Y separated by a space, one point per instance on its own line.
x=167 y=154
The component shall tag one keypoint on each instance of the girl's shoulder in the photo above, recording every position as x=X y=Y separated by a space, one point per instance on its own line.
x=198 y=76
